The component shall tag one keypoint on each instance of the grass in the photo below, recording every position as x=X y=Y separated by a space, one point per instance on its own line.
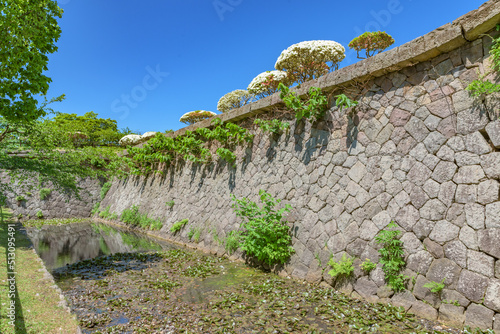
x=37 y=309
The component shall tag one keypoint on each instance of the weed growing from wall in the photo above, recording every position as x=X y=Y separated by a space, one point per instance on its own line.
x=232 y=242
x=44 y=193
x=194 y=234
x=311 y=109
x=368 y=266
x=341 y=269
x=178 y=226
x=134 y=217
x=275 y=127
x=435 y=287
x=392 y=256
x=105 y=189
x=264 y=234
x=480 y=88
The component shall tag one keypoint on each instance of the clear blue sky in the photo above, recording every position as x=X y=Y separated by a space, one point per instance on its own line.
x=145 y=63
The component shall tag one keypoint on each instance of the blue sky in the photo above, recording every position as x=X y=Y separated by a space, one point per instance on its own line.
x=145 y=63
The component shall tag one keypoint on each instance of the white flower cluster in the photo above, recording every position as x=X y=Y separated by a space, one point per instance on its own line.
x=196 y=116
x=235 y=99
x=298 y=57
x=130 y=140
x=267 y=82
x=133 y=139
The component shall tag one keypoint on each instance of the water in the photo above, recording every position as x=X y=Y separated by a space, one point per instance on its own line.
x=60 y=245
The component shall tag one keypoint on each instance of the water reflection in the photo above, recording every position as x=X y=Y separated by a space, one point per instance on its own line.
x=59 y=245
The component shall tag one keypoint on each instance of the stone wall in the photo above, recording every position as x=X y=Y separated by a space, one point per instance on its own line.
x=58 y=204
x=417 y=150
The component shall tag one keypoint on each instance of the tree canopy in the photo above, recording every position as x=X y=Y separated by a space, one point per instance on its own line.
x=28 y=33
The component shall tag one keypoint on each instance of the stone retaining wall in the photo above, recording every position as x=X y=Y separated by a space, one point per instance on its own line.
x=58 y=204
x=417 y=150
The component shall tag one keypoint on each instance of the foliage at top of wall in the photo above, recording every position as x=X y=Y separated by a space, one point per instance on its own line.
x=192 y=146
x=310 y=59
x=196 y=116
x=371 y=42
x=480 y=88
x=312 y=108
x=235 y=99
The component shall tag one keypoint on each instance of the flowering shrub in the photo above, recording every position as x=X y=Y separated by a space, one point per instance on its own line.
x=196 y=116
x=372 y=42
x=130 y=140
x=235 y=99
x=267 y=83
x=310 y=59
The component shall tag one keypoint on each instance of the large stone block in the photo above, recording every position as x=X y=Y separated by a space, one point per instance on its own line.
x=441 y=108
x=488 y=191
x=443 y=231
x=475 y=143
x=479 y=316
x=457 y=252
x=490 y=163
x=493 y=130
x=466 y=193
x=480 y=263
x=452 y=314
x=492 y=298
x=425 y=293
x=472 y=285
x=493 y=215
x=417 y=129
x=474 y=214
x=444 y=269
x=489 y=241
x=434 y=248
x=423 y=310
x=434 y=209
x=469 y=174
x=471 y=120
x=357 y=172
x=434 y=141
x=469 y=237
x=365 y=287
x=419 y=262
x=444 y=171
x=423 y=228
x=466 y=158
x=399 y=117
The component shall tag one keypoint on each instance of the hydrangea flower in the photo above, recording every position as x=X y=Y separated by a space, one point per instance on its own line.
x=196 y=116
x=267 y=83
x=310 y=59
x=235 y=99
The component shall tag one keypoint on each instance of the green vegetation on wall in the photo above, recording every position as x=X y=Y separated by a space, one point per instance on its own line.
x=392 y=256
x=264 y=234
x=480 y=88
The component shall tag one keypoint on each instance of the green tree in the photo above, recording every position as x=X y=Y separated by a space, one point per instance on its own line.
x=88 y=130
x=28 y=33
